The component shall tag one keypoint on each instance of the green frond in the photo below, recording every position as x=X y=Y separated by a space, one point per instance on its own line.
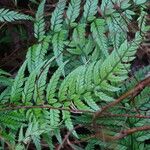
x=54 y=118
x=36 y=53
x=52 y=86
x=98 y=30
x=12 y=120
x=68 y=122
x=39 y=25
x=7 y=15
x=68 y=86
x=29 y=87
x=90 y=102
x=40 y=86
x=17 y=88
x=58 y=46
x=80 y=82
x=90 y=9
x=87 y=57
x=5 y=95
x=27 y=93
x=33 y=132
x=80 y=104
x=117 y=62
x=41 y=50
x=31 y=56
x=73 y=11
x=5 y=81
x=48 y=139
x=57 y=16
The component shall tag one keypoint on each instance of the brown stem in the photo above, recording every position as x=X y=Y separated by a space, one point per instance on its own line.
x=47 y=107
x=118 y=136
x=137 y=89
x=125 y=115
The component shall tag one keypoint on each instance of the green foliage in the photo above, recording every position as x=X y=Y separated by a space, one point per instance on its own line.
x=79 y=65
x=7 y=15
x=73 y=11
x=57 y=16
x=39 y=26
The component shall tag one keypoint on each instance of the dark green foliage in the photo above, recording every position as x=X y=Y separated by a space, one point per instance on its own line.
x=79 y=65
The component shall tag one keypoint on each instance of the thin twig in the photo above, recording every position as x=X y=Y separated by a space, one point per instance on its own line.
x=125 y=115
x=66 y=137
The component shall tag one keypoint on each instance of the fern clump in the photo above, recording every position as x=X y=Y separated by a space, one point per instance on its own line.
x=77 y=76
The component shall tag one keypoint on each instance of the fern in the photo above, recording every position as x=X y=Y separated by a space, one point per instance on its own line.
x=17 y=85
x=75 y=69
x=73 y=11
x=51 y=88
x=36 y=53
x=98 y=30
x=57 y=16
x=90 y=9
x=58 y=46
x=29 y=87
x=7 y=15
x=68 y=122
x=33 y=132
x=39 y=26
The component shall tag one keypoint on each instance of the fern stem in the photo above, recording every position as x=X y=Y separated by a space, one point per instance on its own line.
x=46 y=107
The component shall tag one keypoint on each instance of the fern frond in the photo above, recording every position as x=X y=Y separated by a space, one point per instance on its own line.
x=29 y=87
x=7 y=15
x=31 y=56
x=17 y=85
x=68 y=122
x=33 y=132
x=57 y=16
x=5 y=81
x=39 y=26
x=5 y=95
x=118 y=62
x=12 y=120
x=41 y=50
x=97 y=29
x=36 y=53
x=48 y=139
x=91 y=103
x=40 y=86
x=73 y=11
x=54 y=118
x=90 y=9
x=51 y=88
x=80 y=104
x=58 y=46
x=68 y=84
